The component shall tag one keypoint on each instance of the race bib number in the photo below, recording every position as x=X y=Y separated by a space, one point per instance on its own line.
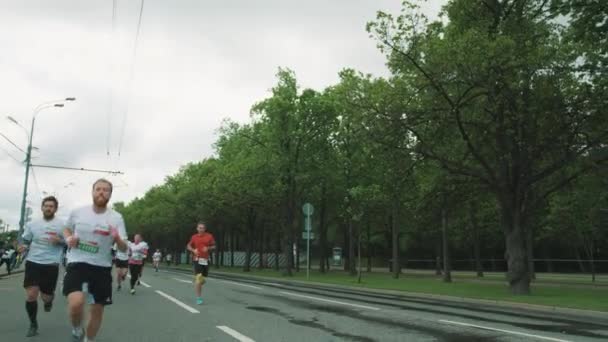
x=43 y=241
x=203 y=261
x=88 y=247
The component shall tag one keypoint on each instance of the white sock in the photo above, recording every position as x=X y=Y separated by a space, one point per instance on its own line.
x=77 y=331
x=86 y=339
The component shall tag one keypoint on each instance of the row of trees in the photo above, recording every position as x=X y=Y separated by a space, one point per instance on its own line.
x=490 y=136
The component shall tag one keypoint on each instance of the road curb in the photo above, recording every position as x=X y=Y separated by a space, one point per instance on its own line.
x=2 y=275
x=444 y=298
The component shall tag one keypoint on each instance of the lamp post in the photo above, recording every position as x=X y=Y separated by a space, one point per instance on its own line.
x=28 y=154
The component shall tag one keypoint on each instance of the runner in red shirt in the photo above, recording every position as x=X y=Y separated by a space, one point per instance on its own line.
x=200 y=245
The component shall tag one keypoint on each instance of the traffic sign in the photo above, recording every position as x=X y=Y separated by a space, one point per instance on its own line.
x=306 y=235
x=308 y=209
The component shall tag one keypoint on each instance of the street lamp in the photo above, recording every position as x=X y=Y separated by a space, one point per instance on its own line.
x=28 y=155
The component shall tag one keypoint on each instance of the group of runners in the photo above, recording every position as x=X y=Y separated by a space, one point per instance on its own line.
x=95 y=236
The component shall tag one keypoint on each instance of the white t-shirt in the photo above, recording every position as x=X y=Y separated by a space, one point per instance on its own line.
x=156 y=256
x=93 y=231
x=138 y=252
x=124 y=256
x=37 y=233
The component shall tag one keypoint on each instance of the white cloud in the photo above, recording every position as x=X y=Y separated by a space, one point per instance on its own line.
x=197 y=63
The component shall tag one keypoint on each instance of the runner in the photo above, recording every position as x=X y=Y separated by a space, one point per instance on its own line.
x=200 y=245
x=90 y=233
x=138 y=251
x=44 y=239
x=121 y=262
x=156 y=258
x=168 y=259
x=7 y=257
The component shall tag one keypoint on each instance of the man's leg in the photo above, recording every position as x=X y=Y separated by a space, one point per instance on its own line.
x=31 y=307
x=95 y=318
x=75 y=311
x=47 y=286
x=118 y=278
x=199 y=289
x=134 y=270
x=48 y=301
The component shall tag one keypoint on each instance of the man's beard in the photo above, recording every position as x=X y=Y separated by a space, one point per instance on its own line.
x=101 y=202
x=48 y=216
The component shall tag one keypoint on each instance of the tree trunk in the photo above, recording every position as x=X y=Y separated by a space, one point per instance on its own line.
x=579 y=260
x=547 y=256
x=288 y=253
x=345 y=245
x=262 y=238
x=476 y=239
x=395 y=238
x=323 y=229
x=351 y=248
x=518 y=274
x=218 y=250
x=438 y=271
x=447 y=267
x=530 y=246
x=232 y=241
x=589 y=246
x=251 y=218
x=277 y=252
x=359 y=255
x=298 y=249
x=222 y=248
x=369 y=247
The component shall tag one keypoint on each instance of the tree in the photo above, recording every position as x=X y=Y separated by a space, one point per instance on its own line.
x=500 y=75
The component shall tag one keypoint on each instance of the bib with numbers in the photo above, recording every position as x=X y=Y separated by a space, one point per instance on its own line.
x=88 y=247
x=203 y=261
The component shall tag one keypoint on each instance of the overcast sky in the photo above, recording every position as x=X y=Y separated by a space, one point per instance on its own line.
x=197 y=62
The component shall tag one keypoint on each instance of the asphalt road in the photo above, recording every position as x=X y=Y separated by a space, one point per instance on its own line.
x=164 y=309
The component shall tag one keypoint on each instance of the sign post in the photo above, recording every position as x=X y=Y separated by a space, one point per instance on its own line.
x=308 y=209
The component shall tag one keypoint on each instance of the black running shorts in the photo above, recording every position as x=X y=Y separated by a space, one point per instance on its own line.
x=41 y=275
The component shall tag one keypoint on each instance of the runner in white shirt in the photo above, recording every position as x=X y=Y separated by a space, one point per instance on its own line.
x=90 y=233
x=44 y=239
x=168 y=259
x=138 y=251
x=121 y=262
x=156 y=258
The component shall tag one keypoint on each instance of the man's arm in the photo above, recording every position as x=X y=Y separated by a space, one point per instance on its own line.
x=211 y=244
x=119 y=234
x=191 y=249
x=121 y=244
x=68 y=232
x=25 y=239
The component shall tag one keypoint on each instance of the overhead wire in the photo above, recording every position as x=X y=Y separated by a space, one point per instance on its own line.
x=12 y=143
x=36 y=182
x=132 y=72
x=111 y=90
x=10 y=155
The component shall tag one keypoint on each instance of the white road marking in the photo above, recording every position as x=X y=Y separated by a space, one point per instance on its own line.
x=239 y=284
x=234 y=333
x=331 y=301
x=504 y=331
x=187 y=307
x=141 y=282
x=184 y=280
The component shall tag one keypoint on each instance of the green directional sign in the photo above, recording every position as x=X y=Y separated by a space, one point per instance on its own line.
x=307 y=235
x=308 y=209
